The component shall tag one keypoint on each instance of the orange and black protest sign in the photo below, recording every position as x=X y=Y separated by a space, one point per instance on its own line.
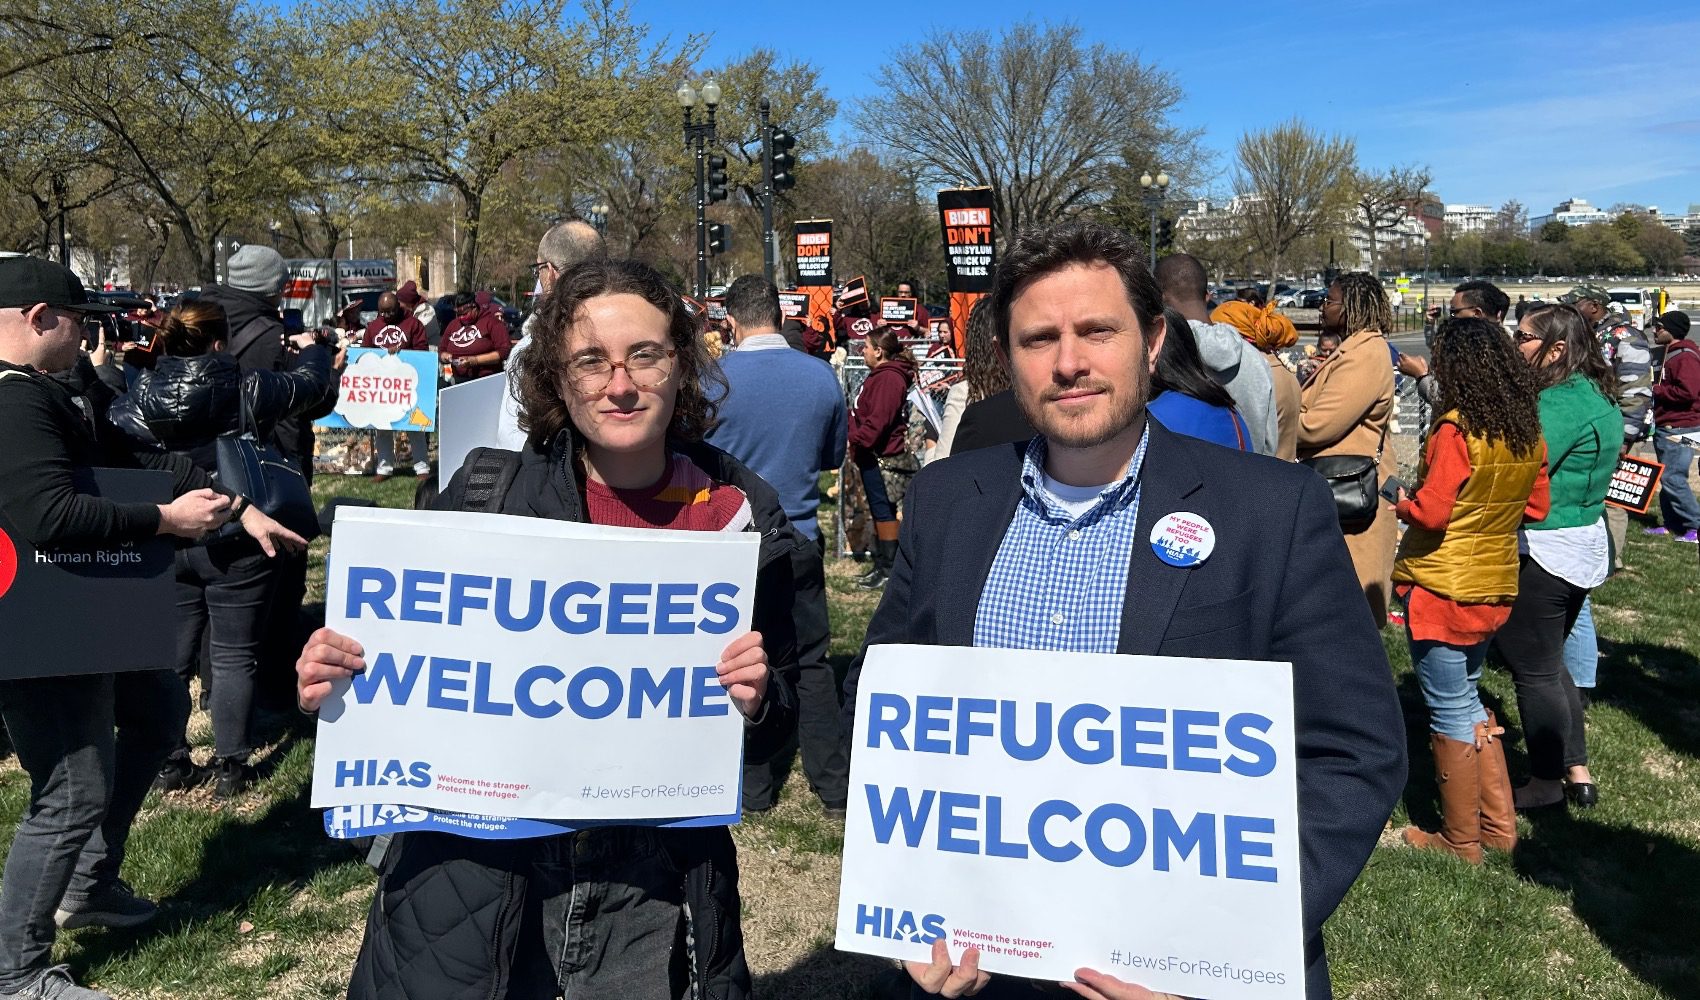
x=965 y=220
x=897 y=309
x=1633 y=484
x=813 y=243
x=853 y=294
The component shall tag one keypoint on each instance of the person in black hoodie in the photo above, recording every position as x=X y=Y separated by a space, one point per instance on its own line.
x=614 y=405
x=194 y=394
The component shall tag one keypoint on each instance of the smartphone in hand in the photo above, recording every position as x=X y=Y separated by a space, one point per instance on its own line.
x=1390 y=488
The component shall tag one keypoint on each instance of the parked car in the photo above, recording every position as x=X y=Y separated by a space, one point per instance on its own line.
x=1312 y=298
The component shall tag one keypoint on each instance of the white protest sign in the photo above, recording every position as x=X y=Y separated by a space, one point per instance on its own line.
x=469 y=415
x=524 y=667
x=1136 y=815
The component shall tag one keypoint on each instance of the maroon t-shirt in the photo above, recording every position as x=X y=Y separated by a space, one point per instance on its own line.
x=854 y=328
x=485 y=334
x=409 y=333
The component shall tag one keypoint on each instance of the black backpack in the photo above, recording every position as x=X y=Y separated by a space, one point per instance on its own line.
x=489 y=474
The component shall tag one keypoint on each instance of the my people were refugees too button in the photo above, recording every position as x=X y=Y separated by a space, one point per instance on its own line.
x=1183 y=539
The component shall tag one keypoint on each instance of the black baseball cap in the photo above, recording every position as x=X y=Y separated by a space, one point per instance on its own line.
x=27 y=281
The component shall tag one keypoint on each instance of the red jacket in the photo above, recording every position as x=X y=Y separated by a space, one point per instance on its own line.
x=409 y=333
x=1676 y=396
x=877 y=424
x=485 y=334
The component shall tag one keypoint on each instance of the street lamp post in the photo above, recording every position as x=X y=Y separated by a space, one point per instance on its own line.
x=1425 y=276
x=699 y=135
x=599 y=217
x=275 y=227
x=1155 y=190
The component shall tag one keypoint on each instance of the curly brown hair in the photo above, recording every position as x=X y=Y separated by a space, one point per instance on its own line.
x=536 y=379
x=986 y=375
x=1564 y=324
x=1363 y=304
x=1485 y=379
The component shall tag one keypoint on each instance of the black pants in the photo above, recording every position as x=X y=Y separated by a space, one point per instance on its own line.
x=285 y=632
x=1532 y=644
x=819 y=726
x=224 y=592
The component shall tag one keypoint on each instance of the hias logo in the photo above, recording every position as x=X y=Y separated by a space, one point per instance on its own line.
x=898 y=925
x=374 y=773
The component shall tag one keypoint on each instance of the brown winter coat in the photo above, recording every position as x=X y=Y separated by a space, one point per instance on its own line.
x=1345 y=409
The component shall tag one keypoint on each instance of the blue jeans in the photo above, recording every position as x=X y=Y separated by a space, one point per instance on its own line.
x=1448 y=676
x=1676 y=496
x=1582 y=648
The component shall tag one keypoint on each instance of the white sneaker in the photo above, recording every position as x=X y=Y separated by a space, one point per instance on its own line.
x=422 y=469
x=384 y=469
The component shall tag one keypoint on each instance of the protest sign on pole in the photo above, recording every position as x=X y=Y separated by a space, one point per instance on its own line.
x=393 y=392
x=90 y=609
x=1136 y=815
x=813 y=245
x=965 y=221
x=1634 y=483
x=532 y=668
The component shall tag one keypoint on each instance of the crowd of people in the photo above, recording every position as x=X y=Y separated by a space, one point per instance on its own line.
x=1096 y=393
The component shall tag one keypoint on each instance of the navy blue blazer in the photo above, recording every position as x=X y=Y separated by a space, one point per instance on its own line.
x=1279 y=586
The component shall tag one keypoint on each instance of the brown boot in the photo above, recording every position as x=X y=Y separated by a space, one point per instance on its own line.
x=1499 y=818
x=1460 y=802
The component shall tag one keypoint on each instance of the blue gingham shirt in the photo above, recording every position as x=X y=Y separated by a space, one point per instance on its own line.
x=1058 y=580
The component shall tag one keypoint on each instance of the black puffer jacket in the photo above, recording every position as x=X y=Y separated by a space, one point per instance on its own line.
x=445 y=921
x=184 y=404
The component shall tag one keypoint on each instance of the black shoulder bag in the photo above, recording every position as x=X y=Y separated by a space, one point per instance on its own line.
x=1354 y=480
x=261 y=472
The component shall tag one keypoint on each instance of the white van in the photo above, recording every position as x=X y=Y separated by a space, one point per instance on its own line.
x=1634 y=301
x=322 y=287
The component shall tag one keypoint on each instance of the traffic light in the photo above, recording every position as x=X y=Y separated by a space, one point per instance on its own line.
x=784 y=163
x=1166 y=233
x=716 y=179
x=719 y=238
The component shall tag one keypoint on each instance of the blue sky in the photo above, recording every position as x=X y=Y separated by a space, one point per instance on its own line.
x=1526 y=100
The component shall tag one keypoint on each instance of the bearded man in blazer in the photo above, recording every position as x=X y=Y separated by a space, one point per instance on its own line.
x=1048 y=545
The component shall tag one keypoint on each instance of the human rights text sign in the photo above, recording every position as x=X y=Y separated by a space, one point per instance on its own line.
x=1136 y=815
x=530 y=668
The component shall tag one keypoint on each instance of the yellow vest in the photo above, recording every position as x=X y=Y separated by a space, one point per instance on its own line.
x=1474 y=560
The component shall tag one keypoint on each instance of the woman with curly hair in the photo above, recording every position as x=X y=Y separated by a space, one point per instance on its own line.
x=615 y=393
x=1345 y=409
x=1567 y=554
x=1482 y=476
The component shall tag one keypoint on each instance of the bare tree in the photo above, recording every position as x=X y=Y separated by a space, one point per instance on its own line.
x=1034 y=113
x=1384 y=200
x=1295 y=181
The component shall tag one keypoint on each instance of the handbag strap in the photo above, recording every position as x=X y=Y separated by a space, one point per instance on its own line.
x=1384 y=429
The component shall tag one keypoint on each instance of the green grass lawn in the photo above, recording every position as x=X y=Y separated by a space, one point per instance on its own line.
x=256 y=902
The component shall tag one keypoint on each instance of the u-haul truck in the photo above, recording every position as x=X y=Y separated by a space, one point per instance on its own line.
x=322 y=287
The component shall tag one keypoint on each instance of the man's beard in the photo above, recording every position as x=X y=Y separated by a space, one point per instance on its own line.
x=1126 y=408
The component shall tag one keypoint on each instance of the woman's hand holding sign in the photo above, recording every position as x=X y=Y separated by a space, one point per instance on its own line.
x=744 y=673
x=328 y=657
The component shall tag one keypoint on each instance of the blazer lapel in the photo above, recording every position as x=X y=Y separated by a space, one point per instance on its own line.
x=976 y=532
x=1153 y=586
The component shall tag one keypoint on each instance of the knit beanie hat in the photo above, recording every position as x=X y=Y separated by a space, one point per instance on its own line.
x=257 y=269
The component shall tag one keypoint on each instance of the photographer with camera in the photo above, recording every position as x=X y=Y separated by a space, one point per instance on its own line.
x=86 y=782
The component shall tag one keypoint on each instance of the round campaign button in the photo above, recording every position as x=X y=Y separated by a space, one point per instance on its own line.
x=1183 y=539
x=8 y=563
